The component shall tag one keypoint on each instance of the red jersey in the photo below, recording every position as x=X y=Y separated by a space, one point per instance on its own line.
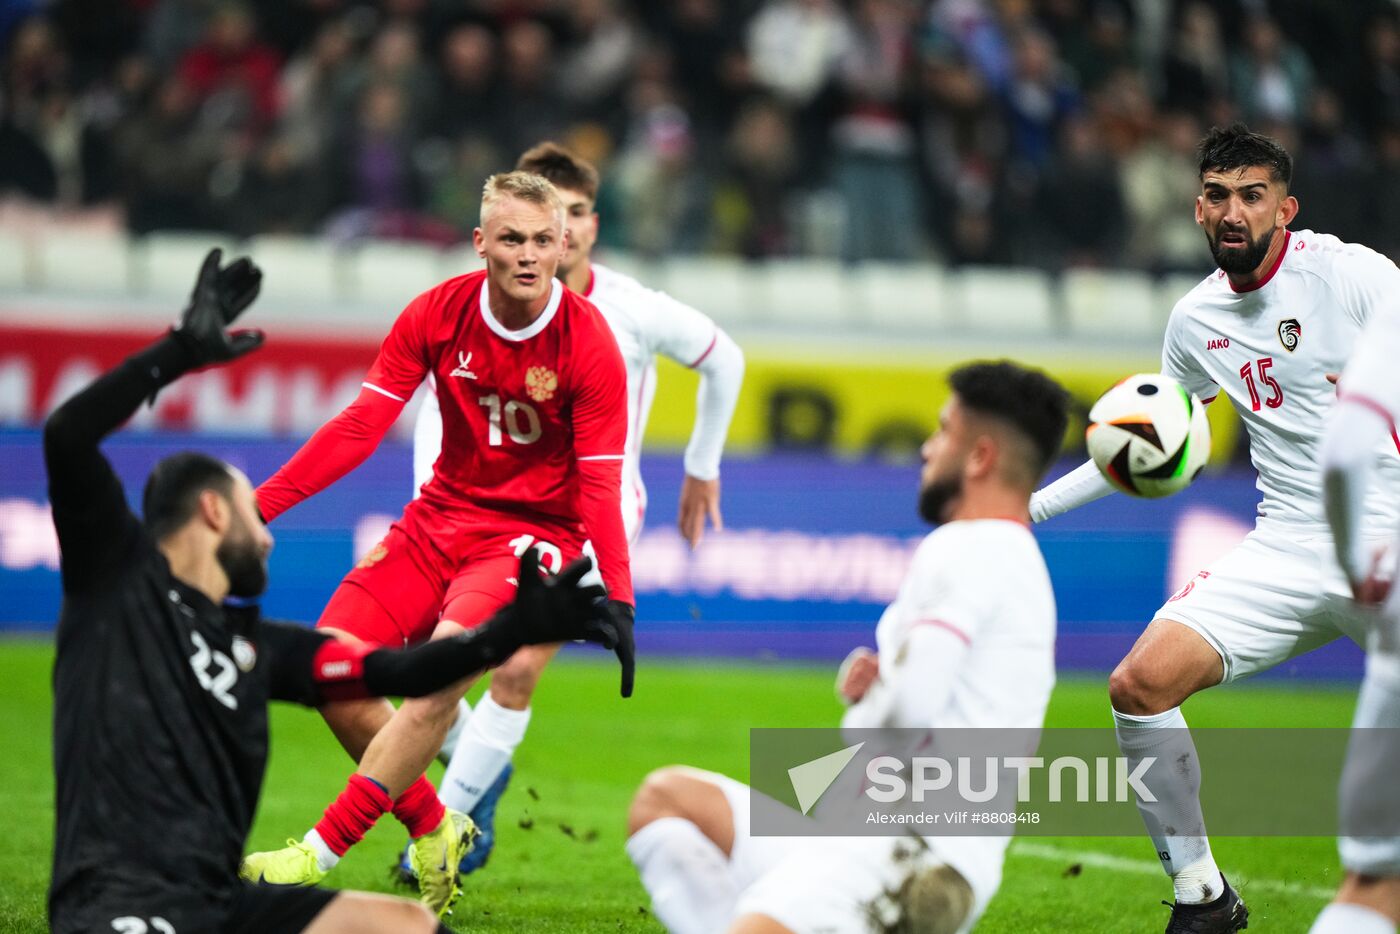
x=534 y=421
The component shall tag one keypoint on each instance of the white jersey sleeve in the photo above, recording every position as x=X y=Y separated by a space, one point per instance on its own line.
x=1182 y=365
x=1363 y=281
x=1368 y=397
x=689 y=337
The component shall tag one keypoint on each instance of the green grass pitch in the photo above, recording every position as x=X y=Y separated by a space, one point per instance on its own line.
x=559 y=863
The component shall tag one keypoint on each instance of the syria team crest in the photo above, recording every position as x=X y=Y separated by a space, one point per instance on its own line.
x=540 y=383
x=1289 y=333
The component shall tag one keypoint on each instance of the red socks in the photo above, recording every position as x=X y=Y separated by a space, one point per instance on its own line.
x=351 y=815
x=418 y=808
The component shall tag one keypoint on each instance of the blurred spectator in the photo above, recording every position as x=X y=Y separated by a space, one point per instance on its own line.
x=753 y=198
x=875 y=169
x=1377 y=91
x=173 y=28
x=1082 y=217
x=1195 y=70
x=532 y=109
x=36 y=66
x=707 y=61
x=602 y=48
x=372 y=171
x=470 y=99
x=1101 y=47
x=1328 y=179
x=277 y=192
x=793 y=47
x=1272 y=79
x=1037 y=97
x=664 y=201
x=166 y=156
x=316 y=90
x=1381 y=207
x=1160 y=185
x=233 y=74
x=395 y=60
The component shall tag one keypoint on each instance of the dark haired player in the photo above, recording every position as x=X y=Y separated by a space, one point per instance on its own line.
x=968 y=644
x=1282 y=313
x=160 y=694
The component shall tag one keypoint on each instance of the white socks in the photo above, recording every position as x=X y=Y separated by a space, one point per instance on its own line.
x=1340 y=918
x=1174 y=820
x=325 y=856
x=482 y=753
x=686 y=875
x=454 y=732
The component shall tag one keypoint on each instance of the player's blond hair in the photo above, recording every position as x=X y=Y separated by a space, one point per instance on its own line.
x=526 y=186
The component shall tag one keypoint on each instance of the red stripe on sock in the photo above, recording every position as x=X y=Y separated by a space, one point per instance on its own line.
x=351 y=815
x=418 y=808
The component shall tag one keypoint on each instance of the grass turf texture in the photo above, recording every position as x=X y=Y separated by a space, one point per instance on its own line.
x=559 y=863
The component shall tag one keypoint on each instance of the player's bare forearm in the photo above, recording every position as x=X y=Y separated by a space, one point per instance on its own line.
x=699 y=500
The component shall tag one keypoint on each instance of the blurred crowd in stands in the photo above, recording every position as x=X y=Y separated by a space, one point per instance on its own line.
x=1053 y=133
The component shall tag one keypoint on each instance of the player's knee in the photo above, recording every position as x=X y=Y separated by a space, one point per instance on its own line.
x=513 y=684
x=661 y=794
x=431 y=710
x=1132 y=690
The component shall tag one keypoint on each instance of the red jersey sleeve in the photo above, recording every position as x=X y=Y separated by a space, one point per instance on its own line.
x=343 y=443
x=600 y=436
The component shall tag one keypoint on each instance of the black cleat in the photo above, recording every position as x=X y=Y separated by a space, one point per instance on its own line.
x=1222 y=916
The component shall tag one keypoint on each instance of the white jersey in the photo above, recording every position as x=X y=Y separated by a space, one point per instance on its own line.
x=968 y=643
x=645 y=323
x=1270 y=349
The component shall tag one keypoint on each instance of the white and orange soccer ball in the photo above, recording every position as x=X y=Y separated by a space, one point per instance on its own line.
x=1149 y=436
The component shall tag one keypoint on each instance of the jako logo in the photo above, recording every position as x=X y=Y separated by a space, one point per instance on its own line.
x=931 y=773
x=1218 y=343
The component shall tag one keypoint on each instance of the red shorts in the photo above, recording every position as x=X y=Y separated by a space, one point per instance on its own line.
x=434 y=565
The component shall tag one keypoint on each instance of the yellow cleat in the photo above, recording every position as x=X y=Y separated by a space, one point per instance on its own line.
x=294 y=865
x=436 y=859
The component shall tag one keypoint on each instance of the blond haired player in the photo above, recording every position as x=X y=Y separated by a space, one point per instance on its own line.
x=1282 y=312
x=646 y=323
x=533 y=391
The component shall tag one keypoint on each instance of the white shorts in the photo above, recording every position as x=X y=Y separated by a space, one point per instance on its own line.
x=1372 y=776
x=815 y=885
x=1271 y=598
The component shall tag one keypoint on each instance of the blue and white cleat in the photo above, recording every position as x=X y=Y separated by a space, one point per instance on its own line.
x=484 y=817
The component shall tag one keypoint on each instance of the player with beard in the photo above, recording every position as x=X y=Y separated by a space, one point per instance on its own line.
x=1280 y=316
x=160 y=692
x=968 y=644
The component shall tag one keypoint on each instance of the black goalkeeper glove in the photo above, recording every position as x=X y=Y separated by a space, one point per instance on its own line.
x=551 y=609
x=220 y=295
x=622 y=616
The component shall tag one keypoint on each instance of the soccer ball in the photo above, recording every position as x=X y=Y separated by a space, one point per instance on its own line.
x=1149 y=436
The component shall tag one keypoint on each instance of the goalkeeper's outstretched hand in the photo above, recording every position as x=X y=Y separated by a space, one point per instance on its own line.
x=220 y=295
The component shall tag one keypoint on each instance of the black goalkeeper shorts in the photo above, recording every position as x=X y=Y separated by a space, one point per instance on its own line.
x=268 y=909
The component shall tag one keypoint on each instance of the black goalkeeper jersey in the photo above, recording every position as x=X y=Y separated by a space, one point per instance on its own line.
x=160 y=697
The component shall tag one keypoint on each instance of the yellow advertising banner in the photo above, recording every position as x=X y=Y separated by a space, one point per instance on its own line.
x=873 y=401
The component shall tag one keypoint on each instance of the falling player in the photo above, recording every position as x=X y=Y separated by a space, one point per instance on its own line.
x=967 y=644
x=533 y=395
x=1361 y=425
x=1283 y=311
x=645 y=323
x=160 y=693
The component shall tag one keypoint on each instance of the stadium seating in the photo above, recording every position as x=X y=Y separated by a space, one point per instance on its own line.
x=311 y=281
x=1099 y=303
x=1002 y=301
